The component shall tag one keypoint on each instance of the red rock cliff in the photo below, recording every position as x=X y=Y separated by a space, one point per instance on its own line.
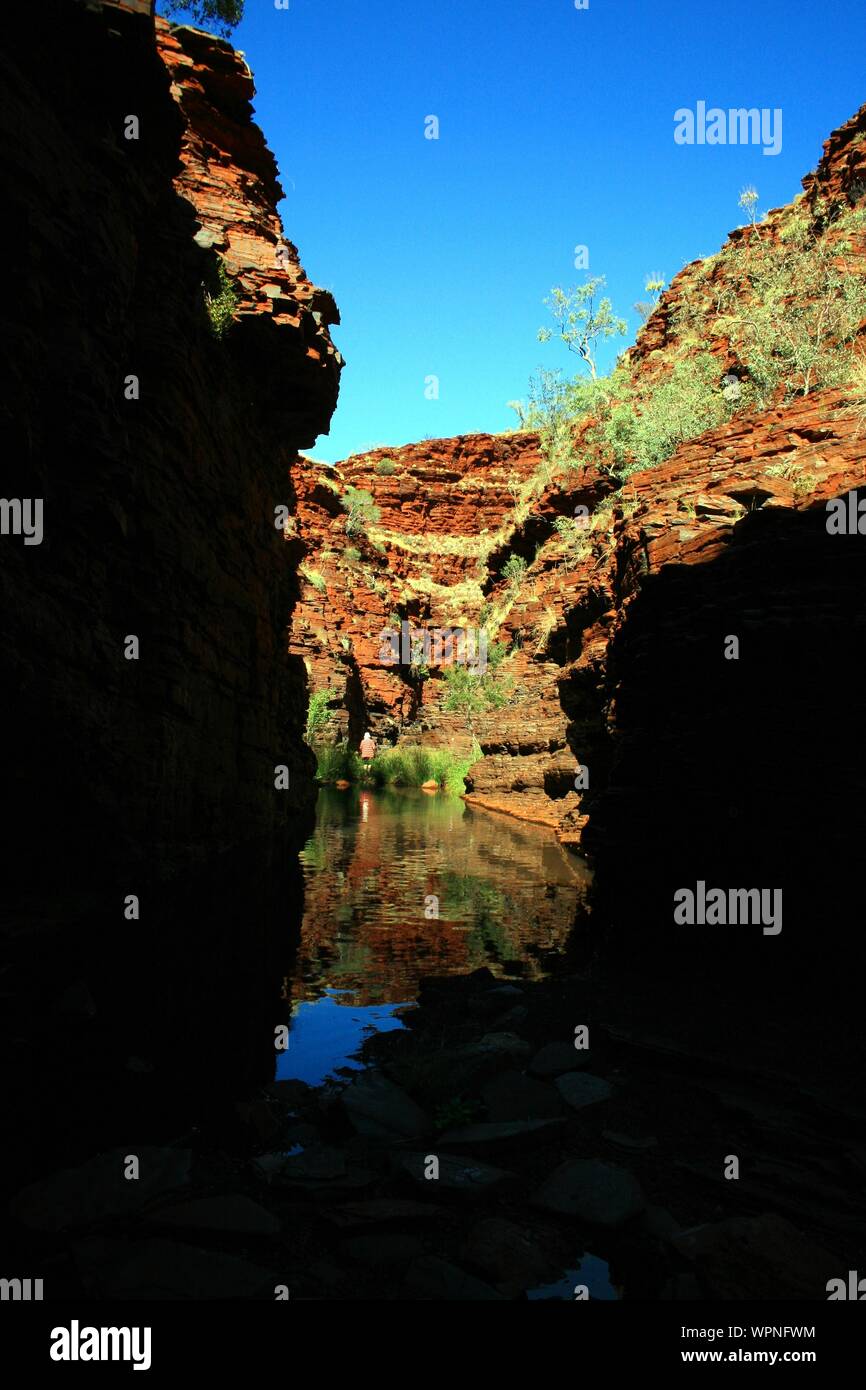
x=453 y=511
x=159 y=508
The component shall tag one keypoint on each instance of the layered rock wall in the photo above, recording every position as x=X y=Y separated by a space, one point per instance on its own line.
x=158 y=494
x=452 y=513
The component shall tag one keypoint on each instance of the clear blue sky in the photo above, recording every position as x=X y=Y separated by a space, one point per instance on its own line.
x=556 y=129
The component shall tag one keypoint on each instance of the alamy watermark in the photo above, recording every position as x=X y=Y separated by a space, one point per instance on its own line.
x=854 y=1289
x=76 y=1343
x=729 y=907
x=21 y=1290
x=22 y=516
x=437 y=646
x=737 y=126
x=846 y=516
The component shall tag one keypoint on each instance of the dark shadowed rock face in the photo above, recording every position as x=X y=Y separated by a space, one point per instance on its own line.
x=158 y=511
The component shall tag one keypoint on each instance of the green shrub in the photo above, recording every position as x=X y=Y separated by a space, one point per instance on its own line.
x=514 y=571
x=555 y=408
x=315 y=578
x=468 y=692
x=318 y=716
x=221 y=306
x=334 y=762
x=789 y=305
x=859 y=378
x=418 y=660
x=361 y=510
x=642 y=431
x=385 y=467
x=795 y=309
x=398 y=767
x=223 y=15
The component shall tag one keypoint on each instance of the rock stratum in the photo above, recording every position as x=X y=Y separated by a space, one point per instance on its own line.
x=134 y=168
x=616 y=646
x=159 y=524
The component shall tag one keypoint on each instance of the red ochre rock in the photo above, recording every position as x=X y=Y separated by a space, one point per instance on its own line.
x=452 y=511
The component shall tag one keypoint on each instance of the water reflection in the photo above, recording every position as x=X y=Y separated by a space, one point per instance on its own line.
x=377 y=864
x=591 y=1274
x=325 y=1035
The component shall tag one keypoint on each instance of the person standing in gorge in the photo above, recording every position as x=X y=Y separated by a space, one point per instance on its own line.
x=367 y=748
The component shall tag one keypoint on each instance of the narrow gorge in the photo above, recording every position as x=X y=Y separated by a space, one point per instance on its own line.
x=663 y=692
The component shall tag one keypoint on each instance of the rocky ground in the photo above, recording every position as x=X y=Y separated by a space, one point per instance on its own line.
x=482 y=1155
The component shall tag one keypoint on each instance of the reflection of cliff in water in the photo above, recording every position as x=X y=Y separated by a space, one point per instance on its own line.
x=507 y=894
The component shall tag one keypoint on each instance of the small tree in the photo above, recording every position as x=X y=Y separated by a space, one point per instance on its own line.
x=653 y=285
x=223 y=15
x=748 y=201
x=583 y=320
x=514 y=570
x=318 y=716
x=361 y=510
x=221 y=306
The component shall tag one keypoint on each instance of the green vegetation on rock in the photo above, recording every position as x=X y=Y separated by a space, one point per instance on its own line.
x=222 y=302
x=409 y=766
x=361 y=511
x=221 y=15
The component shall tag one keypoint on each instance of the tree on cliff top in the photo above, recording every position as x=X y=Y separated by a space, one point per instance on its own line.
x=583 y=320
x=222 y=15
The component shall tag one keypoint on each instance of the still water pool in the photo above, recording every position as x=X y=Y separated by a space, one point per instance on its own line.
x=378 y=868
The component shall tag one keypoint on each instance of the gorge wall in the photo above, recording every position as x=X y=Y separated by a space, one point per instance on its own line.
x=158 y=496
x=616 y=644
x=160 y=449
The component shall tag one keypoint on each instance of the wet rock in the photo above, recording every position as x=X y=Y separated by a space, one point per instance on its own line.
x=381 y=1110
x=597 y=1193
x=513 y=1096
x=467 y=1068
x=315 y=1165
x=323 y=1170
x=291 y=1092
x=163 y=1269
x=489 y=1004
x=660 y=1223
x=326 y=1272
x=465 y=1176
x=514 y=1257
x=262 y=1118
x=98 y=1190
x=233 y=1214
x=453 y=986
x=557 y=1057
x=758 y=1257
x=506 y=992
x=77 y=1000
x=381 y=1211
x=630 y=1143
x=681 y=1288
x=579 y=1089
x=502 y=1045
x=388 y=1248
x=301 y=1133
x=433 y=1278
x=507 y=1022
x=139 y=1065
x=504 y=1132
